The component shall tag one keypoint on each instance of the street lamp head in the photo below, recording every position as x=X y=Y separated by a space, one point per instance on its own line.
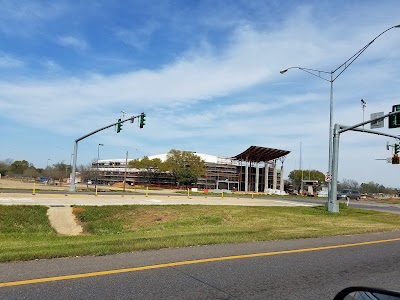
x=283 y=71
x=101 y=144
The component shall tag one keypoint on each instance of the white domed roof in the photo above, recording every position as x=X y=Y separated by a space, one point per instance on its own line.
x=206 y=157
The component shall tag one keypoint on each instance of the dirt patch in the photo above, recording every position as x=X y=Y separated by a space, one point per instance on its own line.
x=120 y=185
x=77 y=210
x=145 y=219
x=6 y=183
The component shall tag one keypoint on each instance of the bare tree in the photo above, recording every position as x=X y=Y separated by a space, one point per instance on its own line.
x=349 y=184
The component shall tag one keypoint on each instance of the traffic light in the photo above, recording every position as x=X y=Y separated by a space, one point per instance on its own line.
x=394 y=121
x=119 y=126
x=395 y=159
x=142 y=121
x=396 y=148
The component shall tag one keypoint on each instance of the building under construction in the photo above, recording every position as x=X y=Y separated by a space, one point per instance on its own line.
x=257 y=169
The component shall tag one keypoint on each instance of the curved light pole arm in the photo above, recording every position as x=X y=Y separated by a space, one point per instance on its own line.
x=313 y=72
x=348 y=62
x=344 y=65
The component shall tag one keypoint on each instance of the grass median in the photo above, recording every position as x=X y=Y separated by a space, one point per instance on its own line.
x=25 y=232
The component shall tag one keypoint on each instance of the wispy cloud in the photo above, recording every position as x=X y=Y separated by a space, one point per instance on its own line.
x=25 y=17
x=8 y=61
x=138 y=37
x=73 y=42
x=51 y=65
x=249 y=60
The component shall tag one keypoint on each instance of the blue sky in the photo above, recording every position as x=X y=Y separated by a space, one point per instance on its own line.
x=206 y=73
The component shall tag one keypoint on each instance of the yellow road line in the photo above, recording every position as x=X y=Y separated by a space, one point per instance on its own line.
x=188 y=262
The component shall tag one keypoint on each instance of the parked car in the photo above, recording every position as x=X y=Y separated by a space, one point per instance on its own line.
x=348 y=194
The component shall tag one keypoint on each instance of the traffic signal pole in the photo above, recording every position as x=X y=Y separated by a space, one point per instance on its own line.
x=333 y=205
x=72 y=186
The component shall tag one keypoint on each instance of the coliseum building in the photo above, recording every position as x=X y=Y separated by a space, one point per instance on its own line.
x=257 y=169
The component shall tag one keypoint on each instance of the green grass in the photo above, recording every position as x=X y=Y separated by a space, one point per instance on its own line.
x=24 y=220
x=25 y=232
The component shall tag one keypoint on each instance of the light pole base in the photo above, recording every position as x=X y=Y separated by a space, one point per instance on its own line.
x=333 y=207
x=72 y=187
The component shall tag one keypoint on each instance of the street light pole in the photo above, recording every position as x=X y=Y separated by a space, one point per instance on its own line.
x=97 y=170
x=70 y=164
x=333 y=76
x=301 y=169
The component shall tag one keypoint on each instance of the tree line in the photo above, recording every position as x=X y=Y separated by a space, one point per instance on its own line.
x=24 y=169
x=371 y=187
x=185 y=166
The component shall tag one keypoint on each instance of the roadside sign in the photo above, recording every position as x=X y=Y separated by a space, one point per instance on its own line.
x=394 y=120
x=328 y=177
x=378 y=123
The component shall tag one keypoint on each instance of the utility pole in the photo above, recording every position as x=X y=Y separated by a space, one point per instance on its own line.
x=301 y=184
x=126 y=166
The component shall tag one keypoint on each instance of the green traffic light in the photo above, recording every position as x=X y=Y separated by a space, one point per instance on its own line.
x=396 y=148
x=119 y=126
x=142 y=120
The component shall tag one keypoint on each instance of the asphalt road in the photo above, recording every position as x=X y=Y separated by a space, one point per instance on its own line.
x=295 y=269
x=385 y=207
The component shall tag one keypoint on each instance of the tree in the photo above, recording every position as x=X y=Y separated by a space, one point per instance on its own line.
x=187 y=177
x=86 y=172
x=57 y=171
x=185 y=166
x=148 y=168
x=60 y=171
x=31 y=172
x=5 y=166
x=348 y=184
x=19 y=166
x=296 y=175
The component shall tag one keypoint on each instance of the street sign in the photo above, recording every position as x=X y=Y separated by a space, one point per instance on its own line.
x=328 y=177
x=378 y=123
x=394 y=121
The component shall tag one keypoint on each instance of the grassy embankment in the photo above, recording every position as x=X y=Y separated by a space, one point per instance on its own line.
x=25 y=232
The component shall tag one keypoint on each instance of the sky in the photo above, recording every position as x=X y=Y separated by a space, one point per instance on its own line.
x=206 y=73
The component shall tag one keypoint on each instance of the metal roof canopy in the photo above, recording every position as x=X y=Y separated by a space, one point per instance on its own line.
x=257 y=154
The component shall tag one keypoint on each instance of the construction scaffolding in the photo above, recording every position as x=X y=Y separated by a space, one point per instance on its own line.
x=254 y=170
x=221 y=175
